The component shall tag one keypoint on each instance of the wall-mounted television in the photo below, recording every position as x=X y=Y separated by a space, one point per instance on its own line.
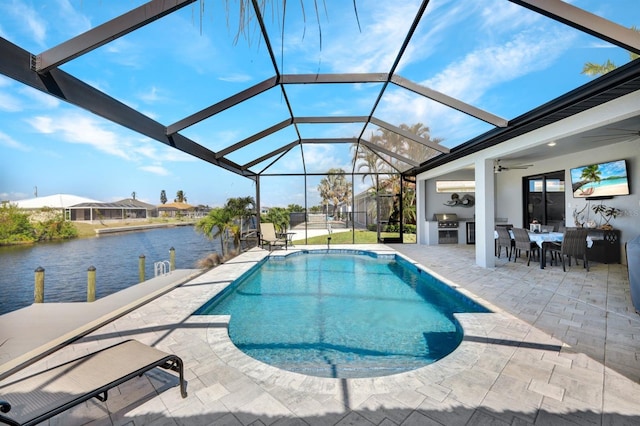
x=600 y=180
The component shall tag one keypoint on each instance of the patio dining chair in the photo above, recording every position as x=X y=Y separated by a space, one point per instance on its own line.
x=522 y=242
x=504 y=240
x=574 y=243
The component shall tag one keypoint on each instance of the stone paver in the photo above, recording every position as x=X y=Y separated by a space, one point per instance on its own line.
x=558 y=348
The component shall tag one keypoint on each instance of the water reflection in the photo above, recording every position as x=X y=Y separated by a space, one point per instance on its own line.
x=115 y=257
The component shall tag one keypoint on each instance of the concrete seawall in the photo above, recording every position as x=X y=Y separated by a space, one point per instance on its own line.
x=132 y=228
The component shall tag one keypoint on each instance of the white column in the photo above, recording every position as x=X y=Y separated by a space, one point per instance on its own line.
x=485 y=213
x=421 y=221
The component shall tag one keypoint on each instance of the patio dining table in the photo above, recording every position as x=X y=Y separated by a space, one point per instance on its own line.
x=545 y=241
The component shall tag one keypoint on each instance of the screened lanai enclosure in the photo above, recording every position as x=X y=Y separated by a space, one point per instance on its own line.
x=332 y=105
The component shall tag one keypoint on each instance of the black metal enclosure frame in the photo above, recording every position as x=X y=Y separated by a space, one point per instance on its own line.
x=42 y=71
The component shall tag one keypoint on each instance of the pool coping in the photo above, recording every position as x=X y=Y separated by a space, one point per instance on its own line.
x=38 y=330
x=476 y=329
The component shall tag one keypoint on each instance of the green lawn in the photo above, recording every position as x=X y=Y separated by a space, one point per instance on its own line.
x=361 y=237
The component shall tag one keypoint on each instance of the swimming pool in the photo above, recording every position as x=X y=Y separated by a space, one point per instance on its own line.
x=342 y=314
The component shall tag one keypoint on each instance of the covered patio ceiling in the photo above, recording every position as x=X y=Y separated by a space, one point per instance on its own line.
x=287 y=87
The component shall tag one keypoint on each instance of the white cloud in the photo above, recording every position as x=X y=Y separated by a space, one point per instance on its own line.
x=485 y=68
x=474 y=75
x=42 y=100
x=34 y=26
x=170 y=154
x=74 y=21
x=14 y=196
x=82 y=129
x=504 y=16
x=158 y=151
x=322 y=157
x=386 y=25
x=85 y=129
x=10 y=103
x=8 y=141
x=157 y=170
x=126 y=53
x=152 y=95
x=236 y=78
x=36 y=99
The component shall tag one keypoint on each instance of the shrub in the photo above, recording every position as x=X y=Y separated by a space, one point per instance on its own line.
x=55 y=228
x=212 y=260
x=15 y=227
x=410 y=229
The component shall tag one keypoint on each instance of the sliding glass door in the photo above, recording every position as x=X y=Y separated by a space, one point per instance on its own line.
x=544 y=199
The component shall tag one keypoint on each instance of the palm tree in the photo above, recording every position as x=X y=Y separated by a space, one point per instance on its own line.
x=335 y=189
x=180 y=197
x=417 y=151
x=368 y=160
x=243 y=208
x=216 y=224
x=279 y=217
x=409 y=149
x=592 y=69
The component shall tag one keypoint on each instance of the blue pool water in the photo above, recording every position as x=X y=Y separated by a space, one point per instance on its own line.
x=342 y=315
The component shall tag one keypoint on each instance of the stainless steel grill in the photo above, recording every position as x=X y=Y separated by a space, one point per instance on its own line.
x=446 y=220
x=447 y=227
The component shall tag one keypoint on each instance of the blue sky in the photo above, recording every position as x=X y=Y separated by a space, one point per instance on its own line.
x=491 y=54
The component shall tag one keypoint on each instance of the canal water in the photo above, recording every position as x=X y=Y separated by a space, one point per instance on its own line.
x=115 y=257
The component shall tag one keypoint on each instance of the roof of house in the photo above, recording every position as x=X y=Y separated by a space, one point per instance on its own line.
x=133 y=203
x=56 y=201
x=127 y=203
x=176 y=206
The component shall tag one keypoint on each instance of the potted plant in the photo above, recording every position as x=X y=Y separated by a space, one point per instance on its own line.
x=606 y=214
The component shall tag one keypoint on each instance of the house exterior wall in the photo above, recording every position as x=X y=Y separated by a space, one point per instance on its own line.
x=507 y=186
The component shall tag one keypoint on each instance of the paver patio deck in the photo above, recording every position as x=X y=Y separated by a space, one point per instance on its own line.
x=560 y=348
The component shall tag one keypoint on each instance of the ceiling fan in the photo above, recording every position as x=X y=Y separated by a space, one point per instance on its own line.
x=497 y=168
x=616 y=133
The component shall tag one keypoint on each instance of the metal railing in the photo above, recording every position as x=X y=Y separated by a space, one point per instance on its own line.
x=162 y=267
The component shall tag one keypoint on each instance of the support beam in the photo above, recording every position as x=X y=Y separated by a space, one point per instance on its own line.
x=103 y=34
x=450 y=102
x=585 y=21
x=57 y=83
x=330 y=119
x=271 y=154
x=376 y=149
x=333 y=78
x=329 y=140
x=252 y=139
x=409 y=135
x=222 y=105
